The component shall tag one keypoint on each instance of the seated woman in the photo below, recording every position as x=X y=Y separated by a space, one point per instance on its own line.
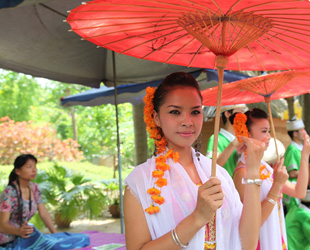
x=18 y=203
x=274 y=181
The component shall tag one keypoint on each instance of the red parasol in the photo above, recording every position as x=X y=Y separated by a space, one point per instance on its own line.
x=232 y=34
x=261 y=88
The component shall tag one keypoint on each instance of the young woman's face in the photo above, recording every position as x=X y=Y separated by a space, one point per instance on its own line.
x=260 y=129
x=28 y=171
x=180 y=117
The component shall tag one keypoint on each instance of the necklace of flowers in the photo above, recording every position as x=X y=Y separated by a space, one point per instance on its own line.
x=160 y=160
x=241 y=129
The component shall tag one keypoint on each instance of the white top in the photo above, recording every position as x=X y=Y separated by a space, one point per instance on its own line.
x=270 y=232
x=227 y=134
x=180 y=201
x=299 y=146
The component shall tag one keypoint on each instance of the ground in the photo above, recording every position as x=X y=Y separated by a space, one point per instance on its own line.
x=105 y=224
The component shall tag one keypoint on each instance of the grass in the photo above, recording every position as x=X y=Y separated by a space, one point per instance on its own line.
x=90 y=170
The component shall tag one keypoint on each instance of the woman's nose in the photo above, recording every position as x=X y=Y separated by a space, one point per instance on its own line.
x=187 y=121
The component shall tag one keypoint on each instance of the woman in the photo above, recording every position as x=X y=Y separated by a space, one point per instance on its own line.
x=20 y=200
x=275 y=181
x=171 y=201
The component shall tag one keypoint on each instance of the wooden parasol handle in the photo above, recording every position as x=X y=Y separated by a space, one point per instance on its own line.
x=267 y=100
x=221 y=63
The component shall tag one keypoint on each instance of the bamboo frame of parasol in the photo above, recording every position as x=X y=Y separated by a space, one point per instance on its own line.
x=153 y=30
x=268 y=87
x=250 y=28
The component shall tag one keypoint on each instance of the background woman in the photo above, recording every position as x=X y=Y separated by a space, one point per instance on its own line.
x=20 y=201
x=275 y=182
x=171 y=201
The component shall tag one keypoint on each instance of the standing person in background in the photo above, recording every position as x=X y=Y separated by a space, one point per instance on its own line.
x=274 y=181
x=20 y=201
x=295 y=129
x=227 y=142
x=171 y=201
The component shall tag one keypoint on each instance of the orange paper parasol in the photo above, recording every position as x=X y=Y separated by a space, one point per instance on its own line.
x=262 y=88
x=231 y=34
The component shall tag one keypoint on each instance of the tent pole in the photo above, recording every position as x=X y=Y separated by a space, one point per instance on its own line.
x=118 y=147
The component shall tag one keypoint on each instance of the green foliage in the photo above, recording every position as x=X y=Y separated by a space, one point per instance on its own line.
x=23 y=98
x=18 y=93
x=37 y=222
x=69 y=193
x=111 y=188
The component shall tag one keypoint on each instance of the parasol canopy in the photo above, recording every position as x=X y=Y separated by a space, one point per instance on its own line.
x=262 y=88
x=231 y=34
x=257 y=89
x=192 y=33
x=34 y=40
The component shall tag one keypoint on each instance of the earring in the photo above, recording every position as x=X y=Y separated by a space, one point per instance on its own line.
x=197 y=146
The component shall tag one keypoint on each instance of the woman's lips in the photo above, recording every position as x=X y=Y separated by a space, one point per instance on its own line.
x=186 y=133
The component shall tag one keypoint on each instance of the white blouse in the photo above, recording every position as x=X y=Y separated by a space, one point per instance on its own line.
x=270 y=231
x=180 y=201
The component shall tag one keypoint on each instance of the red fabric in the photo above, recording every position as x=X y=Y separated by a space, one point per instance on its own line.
x=151 y=30
x=251 y=90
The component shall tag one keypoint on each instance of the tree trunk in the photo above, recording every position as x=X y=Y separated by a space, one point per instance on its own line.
x=290 y=107
x=74 y=128
x=306 y=111
x=72 y=113
x=140 y=134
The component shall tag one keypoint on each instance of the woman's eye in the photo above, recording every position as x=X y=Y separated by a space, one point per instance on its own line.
x=174 y=112
x=196 y=112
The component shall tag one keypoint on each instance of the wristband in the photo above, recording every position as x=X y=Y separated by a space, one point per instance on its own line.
x=271 y=201
x=176 y=239
x=252 y=181
x=274 y=195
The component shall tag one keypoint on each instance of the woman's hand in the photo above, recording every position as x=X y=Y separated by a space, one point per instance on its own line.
x=25 y=230
x=280 y=175
x=255 y=151
x=306 y=147
x=210 y=198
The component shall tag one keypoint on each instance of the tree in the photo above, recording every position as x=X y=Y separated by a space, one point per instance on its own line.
x=18 y=93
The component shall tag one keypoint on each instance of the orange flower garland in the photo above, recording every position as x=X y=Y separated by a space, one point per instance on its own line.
x=241 y=129
x=160 y=143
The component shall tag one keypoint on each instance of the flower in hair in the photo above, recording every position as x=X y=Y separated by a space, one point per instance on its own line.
x=239 y=126
x=161 y=159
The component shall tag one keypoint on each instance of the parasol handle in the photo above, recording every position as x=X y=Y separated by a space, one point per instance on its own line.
x=267 y=100
x=221 y=63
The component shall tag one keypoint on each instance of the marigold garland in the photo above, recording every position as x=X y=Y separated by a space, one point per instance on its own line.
x=241 y=129
x=160 y=160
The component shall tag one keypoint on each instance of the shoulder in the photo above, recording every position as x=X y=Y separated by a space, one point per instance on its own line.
x=34 y=187
x=144 y=169
x=9 y=190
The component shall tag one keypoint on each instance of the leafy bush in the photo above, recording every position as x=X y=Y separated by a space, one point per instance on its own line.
x=70 y=194
x=26 y=138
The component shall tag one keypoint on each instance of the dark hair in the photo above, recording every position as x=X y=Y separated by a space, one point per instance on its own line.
x=224 y=118
x=254 y=113
x=18 y=163
x=251 y=114
x=177 y=79
x=291 y=133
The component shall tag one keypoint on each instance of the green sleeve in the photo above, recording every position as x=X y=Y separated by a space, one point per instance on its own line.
x=291 y=160
x=210 y=146
x=306 y=224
